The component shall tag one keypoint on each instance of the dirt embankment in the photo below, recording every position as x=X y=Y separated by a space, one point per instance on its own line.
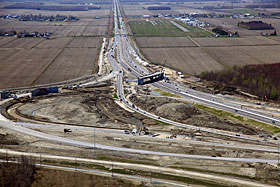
x=89 y=107
x=188 y=114
x=26 y=174
x=7 y=139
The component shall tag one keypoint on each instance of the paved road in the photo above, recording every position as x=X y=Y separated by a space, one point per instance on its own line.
x=126 y=61
x=11 y=126
x=157 y=169
x=125 y=53
x=147 y=137
x=106 y=173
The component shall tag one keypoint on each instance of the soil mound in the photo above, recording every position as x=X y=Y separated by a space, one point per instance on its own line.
x=176 y=111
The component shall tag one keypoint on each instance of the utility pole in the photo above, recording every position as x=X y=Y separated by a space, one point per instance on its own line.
x=278 y=160
x=112 y=170
x=94 y=142
x=151 y=180
x=75 y=164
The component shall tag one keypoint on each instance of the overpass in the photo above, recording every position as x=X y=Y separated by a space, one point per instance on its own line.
x=151 y=78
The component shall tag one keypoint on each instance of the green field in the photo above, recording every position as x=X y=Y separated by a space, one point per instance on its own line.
x=195 y=31
x=163 y=28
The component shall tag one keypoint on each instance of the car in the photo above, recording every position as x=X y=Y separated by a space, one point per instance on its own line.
x=126 y=131
x=273 y=121
x=237 y=135
x=134 y=131
x=67 y=130
x=158 y=117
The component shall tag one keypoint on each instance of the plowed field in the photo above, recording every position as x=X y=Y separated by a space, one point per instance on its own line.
x=151 y=42
x=20 y=67
x=70 y=63
x=190 y=60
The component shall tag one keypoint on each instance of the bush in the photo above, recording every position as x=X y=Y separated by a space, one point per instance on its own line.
x=260 y=80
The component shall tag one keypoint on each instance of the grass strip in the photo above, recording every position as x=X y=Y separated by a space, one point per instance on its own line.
x=251 y=122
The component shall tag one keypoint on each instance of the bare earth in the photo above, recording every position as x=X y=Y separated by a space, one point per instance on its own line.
x=191 y=60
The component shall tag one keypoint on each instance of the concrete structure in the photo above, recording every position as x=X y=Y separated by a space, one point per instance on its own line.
x=157 y=76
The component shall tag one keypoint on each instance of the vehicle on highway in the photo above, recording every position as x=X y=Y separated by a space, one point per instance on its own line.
x=134 y=131
x=154 y=135
x=126 y=131
x=67 y=130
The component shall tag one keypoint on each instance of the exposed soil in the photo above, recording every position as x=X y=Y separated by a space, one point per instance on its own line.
x=14 y=175
x=188 y=114
x=7 y=139
x=88 y=107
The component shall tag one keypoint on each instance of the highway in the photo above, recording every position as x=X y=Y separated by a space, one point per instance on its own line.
x=112 y=174
x=51 y=138
x=121 y=56
x=126 y=55
x=115 y=132
x=124 y=52
x=144 y=168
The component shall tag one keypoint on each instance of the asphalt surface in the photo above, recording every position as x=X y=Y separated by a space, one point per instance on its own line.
x=148 y=137
x=126 y=53
x=106 y=173
x=117 y=70
x=11 y=126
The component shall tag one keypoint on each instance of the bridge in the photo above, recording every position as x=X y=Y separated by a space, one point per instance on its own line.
x=147 y=79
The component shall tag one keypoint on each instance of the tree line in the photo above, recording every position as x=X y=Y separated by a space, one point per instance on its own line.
x=261 y=80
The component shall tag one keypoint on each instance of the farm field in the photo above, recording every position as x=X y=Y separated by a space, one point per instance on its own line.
x=31 y=61
x=240 y=41
x=95 y=31
x=81 y=14
x=85 y=42
x=26 y=43
x=163 y=42
x=242 y=55
x=230 y=25
x=23 y=66
x=191 y=60
x=81 y=22
x=135 y=9
x=70 y=63
x=62 y=31
x=6 y=40
x=54 y=43
x=272 y=38
x=163 y=28
x=194 y=31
